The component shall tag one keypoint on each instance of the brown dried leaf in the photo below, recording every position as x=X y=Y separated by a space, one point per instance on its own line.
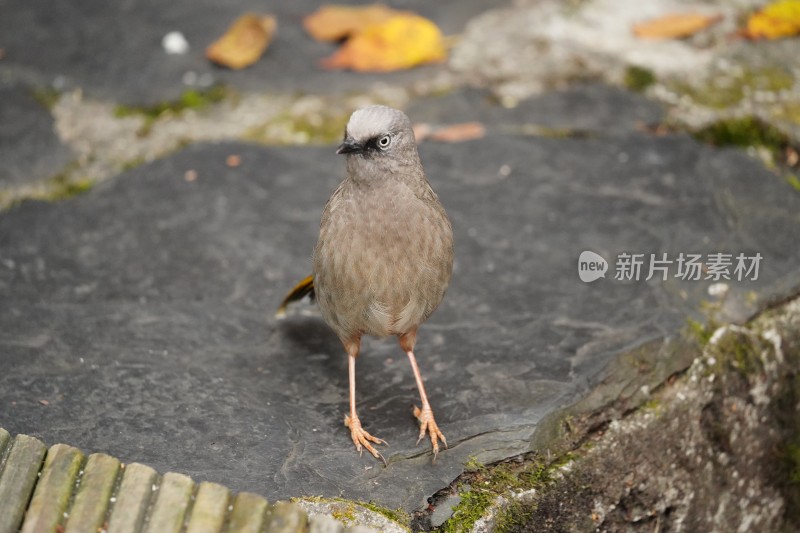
x=465 y=131
x=422 y=130
x=335 y=22
x=674 y=26
x=233 y=160
x=244 y=42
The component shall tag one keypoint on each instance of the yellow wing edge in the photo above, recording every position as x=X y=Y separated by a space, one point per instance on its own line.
x=300 y=291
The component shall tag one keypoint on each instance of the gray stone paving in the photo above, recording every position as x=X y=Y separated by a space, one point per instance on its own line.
x=113 y=50
x=29 y=148
x=136 y=319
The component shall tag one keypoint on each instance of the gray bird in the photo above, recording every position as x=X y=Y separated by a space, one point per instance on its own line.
x=384 y=255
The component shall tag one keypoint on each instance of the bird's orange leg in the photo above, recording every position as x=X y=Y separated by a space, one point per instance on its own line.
x=357 y=433
x=425 y=415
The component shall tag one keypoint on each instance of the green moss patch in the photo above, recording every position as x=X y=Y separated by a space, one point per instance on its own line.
x=482 y=485
x=638 y=79
x=726 y=88
x=47 y=97
x=347 y=511
x=395 y=515
x=289 y=129
x=744 y=132
x=63 y=187
x=190 y=99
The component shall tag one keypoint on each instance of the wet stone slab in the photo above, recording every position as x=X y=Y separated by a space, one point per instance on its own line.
x=29 y=147
x=113 y=50
x=589 y=109
x=137 y=318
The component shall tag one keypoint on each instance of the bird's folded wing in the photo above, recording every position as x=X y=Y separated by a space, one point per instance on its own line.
x=300 y=291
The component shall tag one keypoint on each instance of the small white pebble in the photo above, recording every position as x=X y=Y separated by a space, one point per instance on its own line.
x=681 y=396
x=175 y=43
x=718 y=290
x=189 y=77
x=112 y=499
x=60 y=83
x=504 y=170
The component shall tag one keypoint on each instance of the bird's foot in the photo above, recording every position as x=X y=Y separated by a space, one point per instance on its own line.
x=362 y=439
x=428 y=424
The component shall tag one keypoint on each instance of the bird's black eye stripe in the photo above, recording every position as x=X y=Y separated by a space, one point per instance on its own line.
x=381 y=142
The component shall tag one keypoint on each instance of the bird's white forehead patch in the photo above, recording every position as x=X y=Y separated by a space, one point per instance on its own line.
x=375 y=120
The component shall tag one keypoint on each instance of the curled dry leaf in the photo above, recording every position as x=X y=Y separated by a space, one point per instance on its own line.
x=336 y=22
x=244 y=42
x=775 y=21
x=403 y=41
x=233 y=160
x=422 y=130
x=465 y=131
x=674 y=26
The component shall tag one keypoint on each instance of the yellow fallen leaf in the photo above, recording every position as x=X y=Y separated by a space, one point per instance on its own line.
x=244 y=42
x=674 y=26
x=335 y=22
x=403 y=41
x=776 y=20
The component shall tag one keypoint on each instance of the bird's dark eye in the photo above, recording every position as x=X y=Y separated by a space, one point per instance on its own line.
x=384 y=142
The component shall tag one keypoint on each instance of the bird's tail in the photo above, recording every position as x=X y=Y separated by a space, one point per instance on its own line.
x=300 y=291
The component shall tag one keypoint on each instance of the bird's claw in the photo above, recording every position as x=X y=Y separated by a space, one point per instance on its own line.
x=428 y=424
x=361 y=438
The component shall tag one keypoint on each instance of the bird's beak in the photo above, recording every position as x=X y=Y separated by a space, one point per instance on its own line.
x=350 y=146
